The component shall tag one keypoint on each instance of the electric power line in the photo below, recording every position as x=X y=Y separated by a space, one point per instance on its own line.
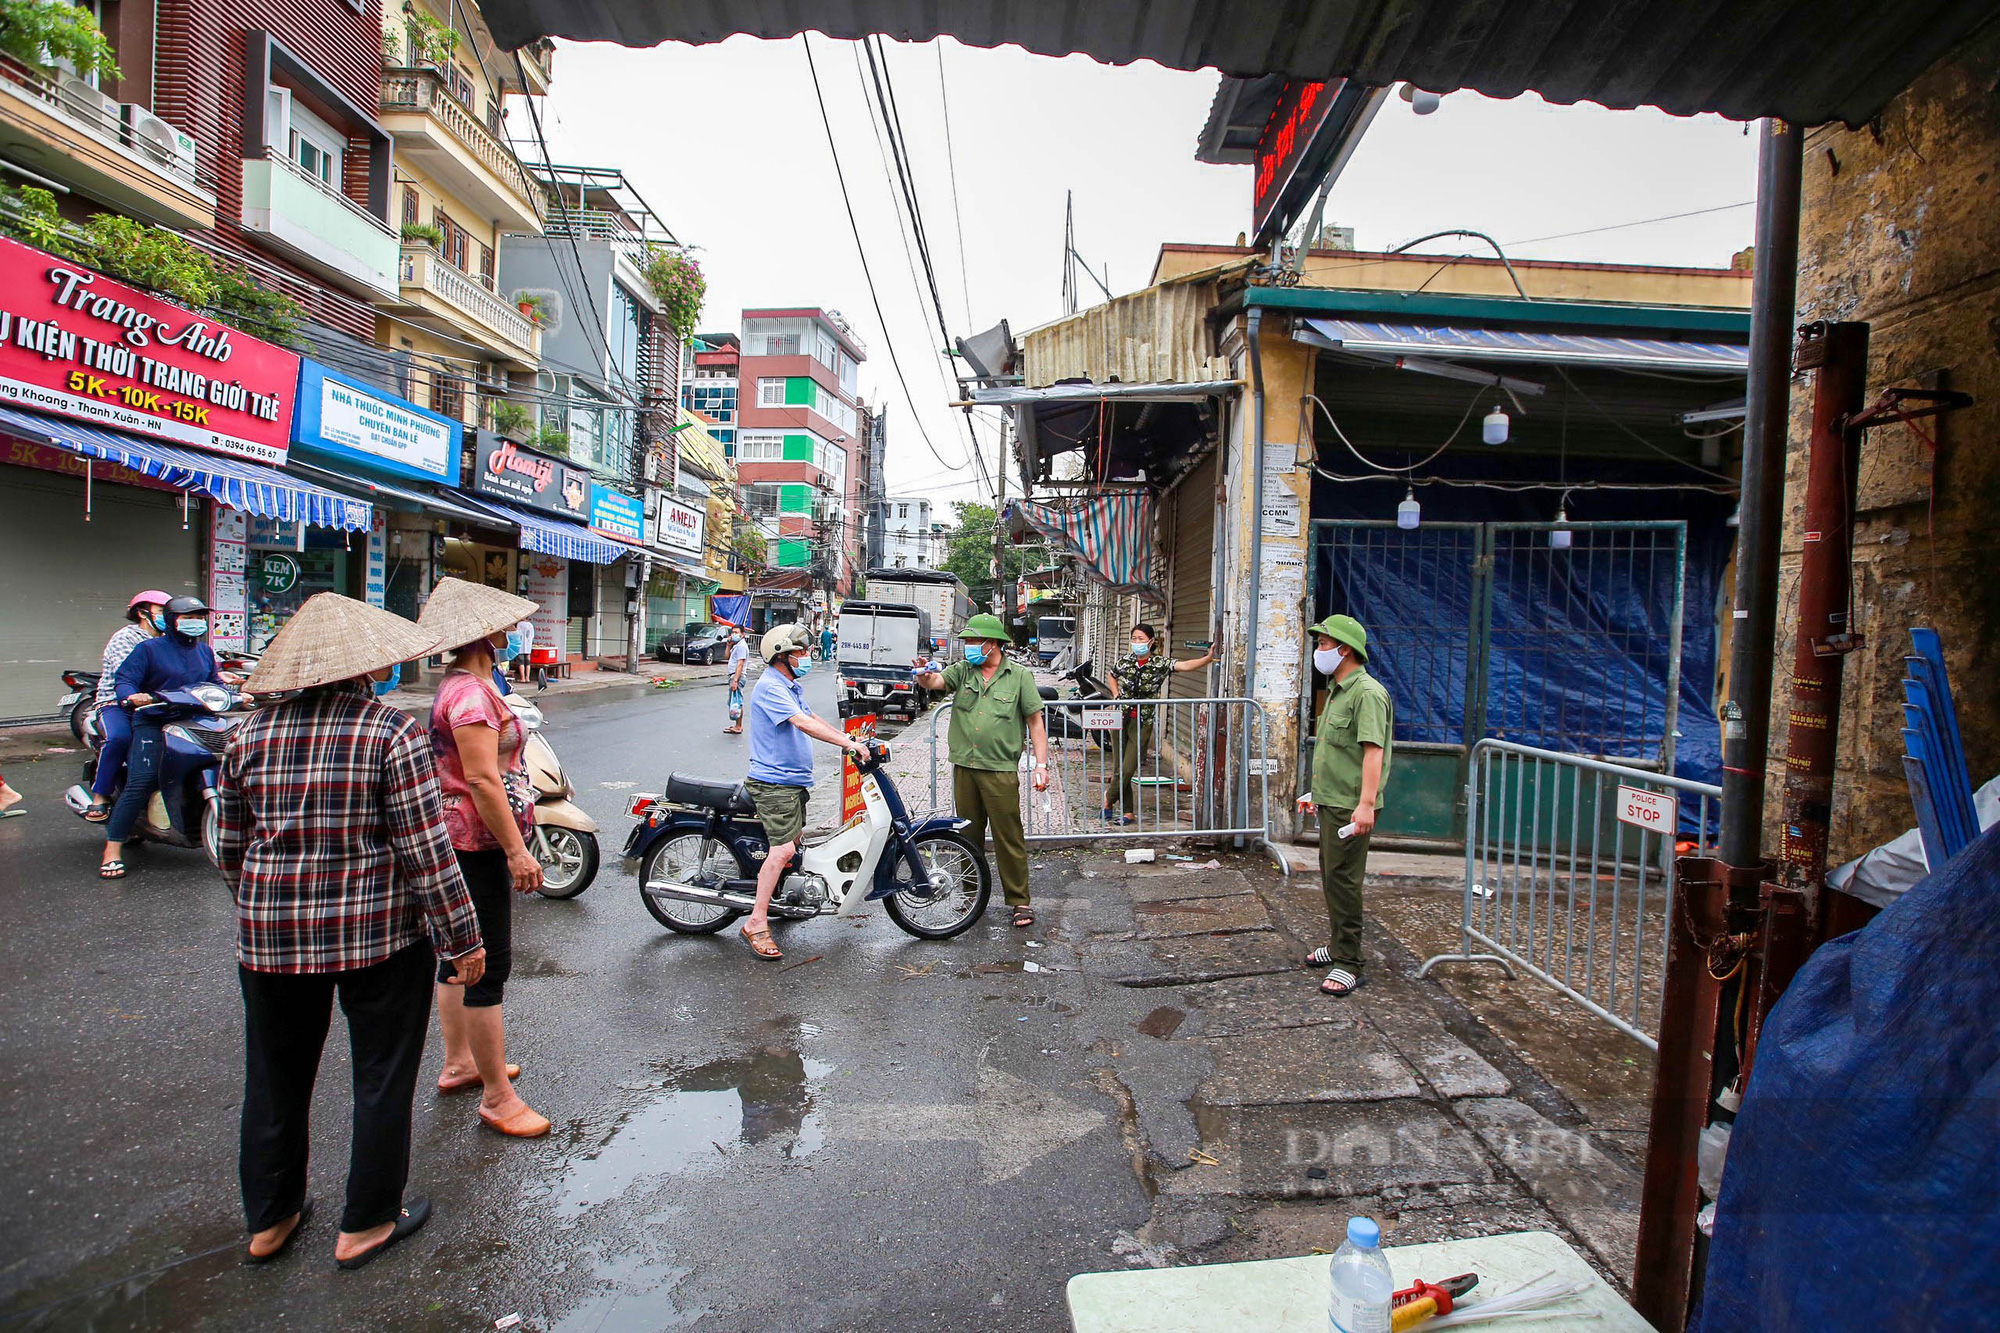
x=957 y=216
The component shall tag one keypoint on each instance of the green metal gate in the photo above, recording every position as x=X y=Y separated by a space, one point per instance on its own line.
x=1469 y=623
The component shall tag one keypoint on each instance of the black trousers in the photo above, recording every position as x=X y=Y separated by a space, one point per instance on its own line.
x=286 y=1016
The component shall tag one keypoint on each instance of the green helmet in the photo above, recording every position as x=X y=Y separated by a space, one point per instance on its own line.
x=984 y=626
x=1344 y=630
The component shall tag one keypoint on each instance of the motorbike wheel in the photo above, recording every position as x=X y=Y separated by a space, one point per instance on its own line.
x=77 y=713
x=955 y=898
x=211 y=832
x=678 y=858
x=569 y=861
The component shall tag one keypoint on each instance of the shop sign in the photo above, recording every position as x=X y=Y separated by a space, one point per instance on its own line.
x=1291 y=137
x=681 y=527
x=82 y=345
x=277 y=572
x=350 y=421
x=616 y=513
x=545 y=582
x=506 y=471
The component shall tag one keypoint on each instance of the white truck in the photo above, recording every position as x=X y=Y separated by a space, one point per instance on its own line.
x=940 y=596
x=873 y=654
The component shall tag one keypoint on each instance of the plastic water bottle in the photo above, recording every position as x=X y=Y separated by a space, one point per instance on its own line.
x=1362 y=1285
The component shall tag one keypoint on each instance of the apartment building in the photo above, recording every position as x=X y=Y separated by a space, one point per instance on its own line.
x=912 y=538
x=708 y=384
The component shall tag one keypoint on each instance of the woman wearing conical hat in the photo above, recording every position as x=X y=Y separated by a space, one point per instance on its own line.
x=333 y=840
x=489 y=807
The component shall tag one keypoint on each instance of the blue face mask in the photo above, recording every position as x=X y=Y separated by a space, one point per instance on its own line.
x=191 y=627
x=1141 y=648
x=975 y=653
x=383 y=687
x=158 y=620
x=802 y=667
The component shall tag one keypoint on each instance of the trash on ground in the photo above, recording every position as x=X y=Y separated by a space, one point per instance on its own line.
x=1031 y=966
x=1033 y=944
x=1205 y=865
x=1171 y=856
x=507 y=1321
x=1139 y=856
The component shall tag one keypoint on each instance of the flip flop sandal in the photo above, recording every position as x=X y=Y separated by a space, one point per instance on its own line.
x=473 y=1081
x=1340 y=983
x=761 y=943
x=1024 y=917
x=111 y=870
x=305 y=1216
x=97 y=814
x=1320 y=957
x=15 y=812
x=408 y=1223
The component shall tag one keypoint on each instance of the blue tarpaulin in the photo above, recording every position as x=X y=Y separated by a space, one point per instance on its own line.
x=1861 y=1181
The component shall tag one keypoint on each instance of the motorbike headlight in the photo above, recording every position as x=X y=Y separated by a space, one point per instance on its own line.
x=214 y=698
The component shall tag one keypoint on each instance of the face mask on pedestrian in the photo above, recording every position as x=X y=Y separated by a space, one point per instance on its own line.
x=504 y=650
x=975 y=654
x=193 y=627
x=802 y=665
x=1327 y=660
x=1140 y=647
x=384 y=684
x=158 y=621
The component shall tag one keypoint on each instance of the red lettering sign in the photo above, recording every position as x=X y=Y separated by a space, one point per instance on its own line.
x=1295 y=123
x=79 y=344
x=507 y=458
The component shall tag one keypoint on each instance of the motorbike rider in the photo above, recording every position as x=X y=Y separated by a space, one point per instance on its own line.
x=782 y=729
x=174 y=660
x=147 y=614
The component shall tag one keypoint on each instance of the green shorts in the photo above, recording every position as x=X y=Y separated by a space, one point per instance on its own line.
x=781 y=810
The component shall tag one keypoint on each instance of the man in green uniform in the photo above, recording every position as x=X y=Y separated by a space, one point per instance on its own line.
x=1351 y=754
x=994 y=706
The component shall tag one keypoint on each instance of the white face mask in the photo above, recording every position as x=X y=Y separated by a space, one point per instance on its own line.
x=1327 y=660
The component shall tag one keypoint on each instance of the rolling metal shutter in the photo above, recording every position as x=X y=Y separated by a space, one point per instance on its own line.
x=1191 y=531
x=68 y=581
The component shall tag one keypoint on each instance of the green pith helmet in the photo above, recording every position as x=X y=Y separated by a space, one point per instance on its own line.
x=984 y=626
x=1345 y=630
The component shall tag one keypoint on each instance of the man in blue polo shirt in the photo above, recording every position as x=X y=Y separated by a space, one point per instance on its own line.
x=782 y=729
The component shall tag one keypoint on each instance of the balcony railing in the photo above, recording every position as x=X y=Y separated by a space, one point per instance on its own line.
x=84 y=107
x=427 y=270
x=331 y=191
x=424 y=90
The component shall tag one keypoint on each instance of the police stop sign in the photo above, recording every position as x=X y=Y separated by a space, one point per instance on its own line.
x=1647 y=809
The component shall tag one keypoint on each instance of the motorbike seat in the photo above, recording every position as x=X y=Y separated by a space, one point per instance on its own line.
x=1047 y=691
x=729 y=798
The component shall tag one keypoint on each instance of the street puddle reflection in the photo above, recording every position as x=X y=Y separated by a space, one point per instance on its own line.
x=699 y=1116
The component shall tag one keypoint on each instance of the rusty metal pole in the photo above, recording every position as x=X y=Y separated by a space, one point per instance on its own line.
x=1838 y=356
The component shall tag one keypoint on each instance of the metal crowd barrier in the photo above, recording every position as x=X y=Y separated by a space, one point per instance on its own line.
x=1569 y=874
x=1198 y=768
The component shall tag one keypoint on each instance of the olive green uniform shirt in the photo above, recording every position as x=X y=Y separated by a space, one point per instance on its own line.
x=989 y=719
x=1357 y=713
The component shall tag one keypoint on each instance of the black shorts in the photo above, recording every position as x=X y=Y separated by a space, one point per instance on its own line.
x=492 y=890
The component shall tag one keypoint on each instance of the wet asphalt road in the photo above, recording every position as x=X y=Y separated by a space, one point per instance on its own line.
x=840 y=1144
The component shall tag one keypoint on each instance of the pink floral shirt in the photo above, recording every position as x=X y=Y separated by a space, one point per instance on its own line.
x=464 y=700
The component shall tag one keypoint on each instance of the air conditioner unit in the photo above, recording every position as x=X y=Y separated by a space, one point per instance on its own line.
x=79 y=98
x=145 y=125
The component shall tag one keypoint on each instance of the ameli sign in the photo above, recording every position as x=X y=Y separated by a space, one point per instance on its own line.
x=82 y=345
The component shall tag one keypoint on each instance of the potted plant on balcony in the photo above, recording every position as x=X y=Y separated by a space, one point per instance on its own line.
x=42 y=34
x=512 y=420
x=431 y=42
x=677 y=281
x=552 y=440
x=425 y=232
x=532 y=305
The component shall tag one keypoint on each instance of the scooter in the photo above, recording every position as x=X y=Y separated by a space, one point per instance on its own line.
x=564 y=839
x=183 y=812
x=1065 y=722
x=697 y=849
x=82 y=690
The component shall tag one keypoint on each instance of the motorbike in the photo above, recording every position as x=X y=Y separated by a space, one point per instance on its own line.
x=75 y=705
x=697 y=848
x=1065 y=722
x=183 y=811
x=564 y=838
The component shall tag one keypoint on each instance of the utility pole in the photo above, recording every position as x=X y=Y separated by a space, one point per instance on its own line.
x=1002 y=600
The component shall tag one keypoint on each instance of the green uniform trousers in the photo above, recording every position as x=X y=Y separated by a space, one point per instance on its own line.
x=1137 y=734
x=1342 y=865
x=987 y=797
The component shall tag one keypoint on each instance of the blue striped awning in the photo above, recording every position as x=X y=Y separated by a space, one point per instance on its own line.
x=1575 y=349
x=235 y=482
x=555 y=536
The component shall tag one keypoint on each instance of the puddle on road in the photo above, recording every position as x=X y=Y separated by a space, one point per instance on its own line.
x=698 y=1116
x=639 y=1299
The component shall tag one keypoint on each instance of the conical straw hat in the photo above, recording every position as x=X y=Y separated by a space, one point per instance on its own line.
x=459 y=612
x=336 y=638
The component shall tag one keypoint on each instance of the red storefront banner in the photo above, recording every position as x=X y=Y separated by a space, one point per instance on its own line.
x=82 y=345
x=23 y=454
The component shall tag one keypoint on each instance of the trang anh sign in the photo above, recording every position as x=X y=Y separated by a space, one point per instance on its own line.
x=506 y=471
x=79 y=344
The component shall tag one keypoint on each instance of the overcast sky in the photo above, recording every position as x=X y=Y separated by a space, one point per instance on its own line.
x=726 y=143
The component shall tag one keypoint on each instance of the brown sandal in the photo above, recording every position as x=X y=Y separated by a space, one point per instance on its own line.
x=760 y=942
x=526 y=1123
x=472 y=1080
x=1024 y=916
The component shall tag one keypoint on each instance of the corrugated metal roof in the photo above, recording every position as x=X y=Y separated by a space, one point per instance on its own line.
x=1805 y=60
x=1580 y=349
x=1153 y=336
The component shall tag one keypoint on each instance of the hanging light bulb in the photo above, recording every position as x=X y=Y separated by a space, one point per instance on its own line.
x=1559 y=536
x=1493 y=429
x=1409 y=513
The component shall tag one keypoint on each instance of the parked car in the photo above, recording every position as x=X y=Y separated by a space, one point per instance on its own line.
x=698 y=645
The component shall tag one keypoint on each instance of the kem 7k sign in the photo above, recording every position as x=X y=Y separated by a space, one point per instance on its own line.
x=79 y=344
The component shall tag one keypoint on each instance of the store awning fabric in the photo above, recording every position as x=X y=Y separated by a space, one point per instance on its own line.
x=552 y=536
x=1111 y=534
x=235 y=482
x=1574 y=349
x=418 y=500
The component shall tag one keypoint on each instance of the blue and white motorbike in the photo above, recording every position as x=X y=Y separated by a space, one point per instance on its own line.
x=182 y=812
x=697 y=849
